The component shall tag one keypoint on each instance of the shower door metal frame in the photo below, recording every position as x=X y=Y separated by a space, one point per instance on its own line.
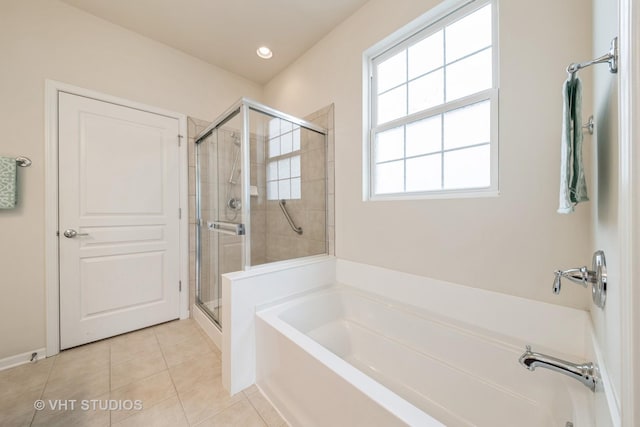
x=247 y=106
x=222 y=119
x=243 y=107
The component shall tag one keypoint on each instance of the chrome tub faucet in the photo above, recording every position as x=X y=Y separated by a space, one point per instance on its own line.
x=586 y=373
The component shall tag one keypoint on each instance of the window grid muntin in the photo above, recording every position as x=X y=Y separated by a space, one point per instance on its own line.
x=382 y=58
x=431 y=153
x=440 y=152
x=462 y=58
x=489 y=94
x=289 y=129
x=290 y=179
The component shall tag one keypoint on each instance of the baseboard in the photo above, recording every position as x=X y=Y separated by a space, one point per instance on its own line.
x=207 y=326
x=21 y=359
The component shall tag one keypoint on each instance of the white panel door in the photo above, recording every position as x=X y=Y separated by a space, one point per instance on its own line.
x=119 y=191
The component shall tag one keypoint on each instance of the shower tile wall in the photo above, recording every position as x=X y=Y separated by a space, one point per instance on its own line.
x=324 y=118
x=259 y=201
x=229 y=186
x=272 y=237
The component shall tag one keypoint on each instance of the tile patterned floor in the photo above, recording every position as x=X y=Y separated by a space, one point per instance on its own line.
x=173 y=368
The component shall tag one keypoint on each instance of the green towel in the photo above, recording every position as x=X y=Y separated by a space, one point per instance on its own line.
x=573 y=186
x=7 y=182
x=578 y=182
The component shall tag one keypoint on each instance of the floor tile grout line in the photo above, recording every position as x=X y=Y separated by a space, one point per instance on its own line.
x=44 y=387
x=147 y=377
x=219 y=412
x=184 y=413
x=122 y=363
x=143 y=409
x=178 y=393
x=141 y=379
x=137 y=356
x=180 y=341
x=182 y=404
x=256 y=409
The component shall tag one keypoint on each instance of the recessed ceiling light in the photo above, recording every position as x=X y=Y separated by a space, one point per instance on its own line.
x=264 y=52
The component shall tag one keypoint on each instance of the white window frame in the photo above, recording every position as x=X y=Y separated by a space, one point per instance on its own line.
x=290 y=155
x=431 y=22
x=275 y=159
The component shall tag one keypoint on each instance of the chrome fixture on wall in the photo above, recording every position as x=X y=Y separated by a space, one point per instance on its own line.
x=224 y=227
x=583 y=276
x=233 y=203
x=610 y=58
x=294 y=227
x=23 y=162
x=586 y=373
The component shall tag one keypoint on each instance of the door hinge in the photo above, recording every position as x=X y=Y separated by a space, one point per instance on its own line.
x=180 y=140
x=180 y=286
x=179 y=213
x=58 y=233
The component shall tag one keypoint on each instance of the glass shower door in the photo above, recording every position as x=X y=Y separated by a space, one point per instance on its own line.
x=220 y=213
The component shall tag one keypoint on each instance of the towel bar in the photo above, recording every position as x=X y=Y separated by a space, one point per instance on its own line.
x=610 y=57
x=23 y=162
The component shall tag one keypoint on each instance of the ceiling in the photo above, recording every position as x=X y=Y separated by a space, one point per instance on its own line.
x=226 y=33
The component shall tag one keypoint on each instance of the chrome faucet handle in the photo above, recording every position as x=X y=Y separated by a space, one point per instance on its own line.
x=557 y=284
x=580 y=276
x=583 y=276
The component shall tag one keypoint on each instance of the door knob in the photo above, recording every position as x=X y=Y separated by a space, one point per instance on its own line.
x=71 y=233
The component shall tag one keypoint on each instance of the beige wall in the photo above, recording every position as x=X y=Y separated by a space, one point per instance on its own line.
x=605 y=201
x=511 y=243
x=45 y=39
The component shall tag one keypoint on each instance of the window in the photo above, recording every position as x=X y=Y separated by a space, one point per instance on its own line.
x=283 y=166
x=433 y=107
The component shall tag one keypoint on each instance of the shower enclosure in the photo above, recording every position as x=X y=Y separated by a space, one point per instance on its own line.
x=261 y=195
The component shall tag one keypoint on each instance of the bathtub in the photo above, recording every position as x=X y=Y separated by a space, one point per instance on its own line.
x=343 y=357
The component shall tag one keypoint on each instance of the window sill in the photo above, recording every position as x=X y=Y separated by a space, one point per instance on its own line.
x=463 y=194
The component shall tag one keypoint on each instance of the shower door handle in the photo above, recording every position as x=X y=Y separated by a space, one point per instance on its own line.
x=226 y=228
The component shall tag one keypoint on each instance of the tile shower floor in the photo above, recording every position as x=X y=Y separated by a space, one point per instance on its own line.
x=173 y=369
